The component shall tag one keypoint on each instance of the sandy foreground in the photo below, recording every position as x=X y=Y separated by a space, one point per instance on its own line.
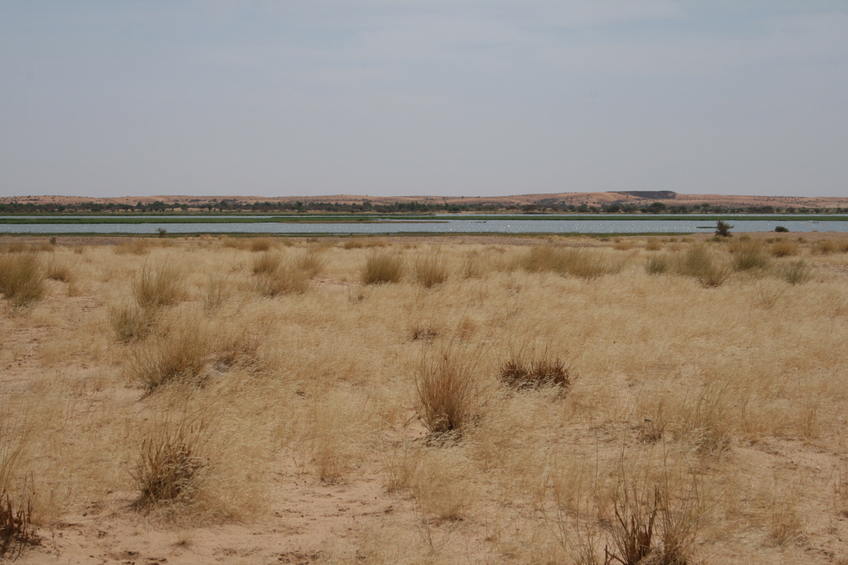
x=717 y=405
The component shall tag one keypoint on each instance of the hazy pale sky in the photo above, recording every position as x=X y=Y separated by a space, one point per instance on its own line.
x=439 y=97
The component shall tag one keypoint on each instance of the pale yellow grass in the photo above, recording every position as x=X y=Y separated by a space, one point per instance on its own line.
x=726 y=405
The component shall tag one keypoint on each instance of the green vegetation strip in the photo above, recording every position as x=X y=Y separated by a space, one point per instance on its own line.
x=394 y=218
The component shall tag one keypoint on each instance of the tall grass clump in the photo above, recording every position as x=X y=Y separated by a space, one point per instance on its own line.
x=277 y=274
x=703 y=264
x=312 y=261
x=431 y=270
x=783 y=248
x=583 y=263
x=59 y=270
x=179 y=356
x=653 y=525
x=16 y=528
x=796 y=272
x=16 y=513
x=260 y=244
x=159 y=285
x=749 y=255
x=657 y=264
x=171 y=463
x=130 y=322
x=448 y=393
x=21 y=277
x=382 y=267
x=653 y=244
x=267 y=262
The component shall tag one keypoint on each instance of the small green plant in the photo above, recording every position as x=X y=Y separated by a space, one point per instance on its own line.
x=781 y=229
x=21 y=277
x=162 y=232
x=382 y=267
x=723 y=229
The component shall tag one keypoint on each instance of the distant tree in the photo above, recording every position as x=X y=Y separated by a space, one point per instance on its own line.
x=723 y=229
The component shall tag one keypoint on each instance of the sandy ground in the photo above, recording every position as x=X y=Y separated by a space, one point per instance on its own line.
x=310 y=518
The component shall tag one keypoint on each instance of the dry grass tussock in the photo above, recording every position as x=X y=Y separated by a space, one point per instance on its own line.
x=171 y=462
x=382 y=267
x=349 y=419
x=21 y=277
x=577 y=262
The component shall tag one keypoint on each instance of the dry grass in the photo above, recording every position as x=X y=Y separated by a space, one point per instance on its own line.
x=431 y=269
x=783 y=248
x=130 y=321
x=540 y=372
x=159 y=284
x=448 y=393
x=575 y=262
x=749 y=255
x=171 y=462
x=382 y=267
x=370 y=423
x=21 y=277
x=178 y=355
x=704 y=264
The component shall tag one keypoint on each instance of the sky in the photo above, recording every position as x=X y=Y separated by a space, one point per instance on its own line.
x=439 y=97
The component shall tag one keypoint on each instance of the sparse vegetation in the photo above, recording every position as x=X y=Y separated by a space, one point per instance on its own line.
x=447 y=424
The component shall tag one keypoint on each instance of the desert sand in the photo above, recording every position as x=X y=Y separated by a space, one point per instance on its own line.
x=300 y=388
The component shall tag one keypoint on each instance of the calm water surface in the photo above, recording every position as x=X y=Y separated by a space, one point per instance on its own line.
x=440 y=224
